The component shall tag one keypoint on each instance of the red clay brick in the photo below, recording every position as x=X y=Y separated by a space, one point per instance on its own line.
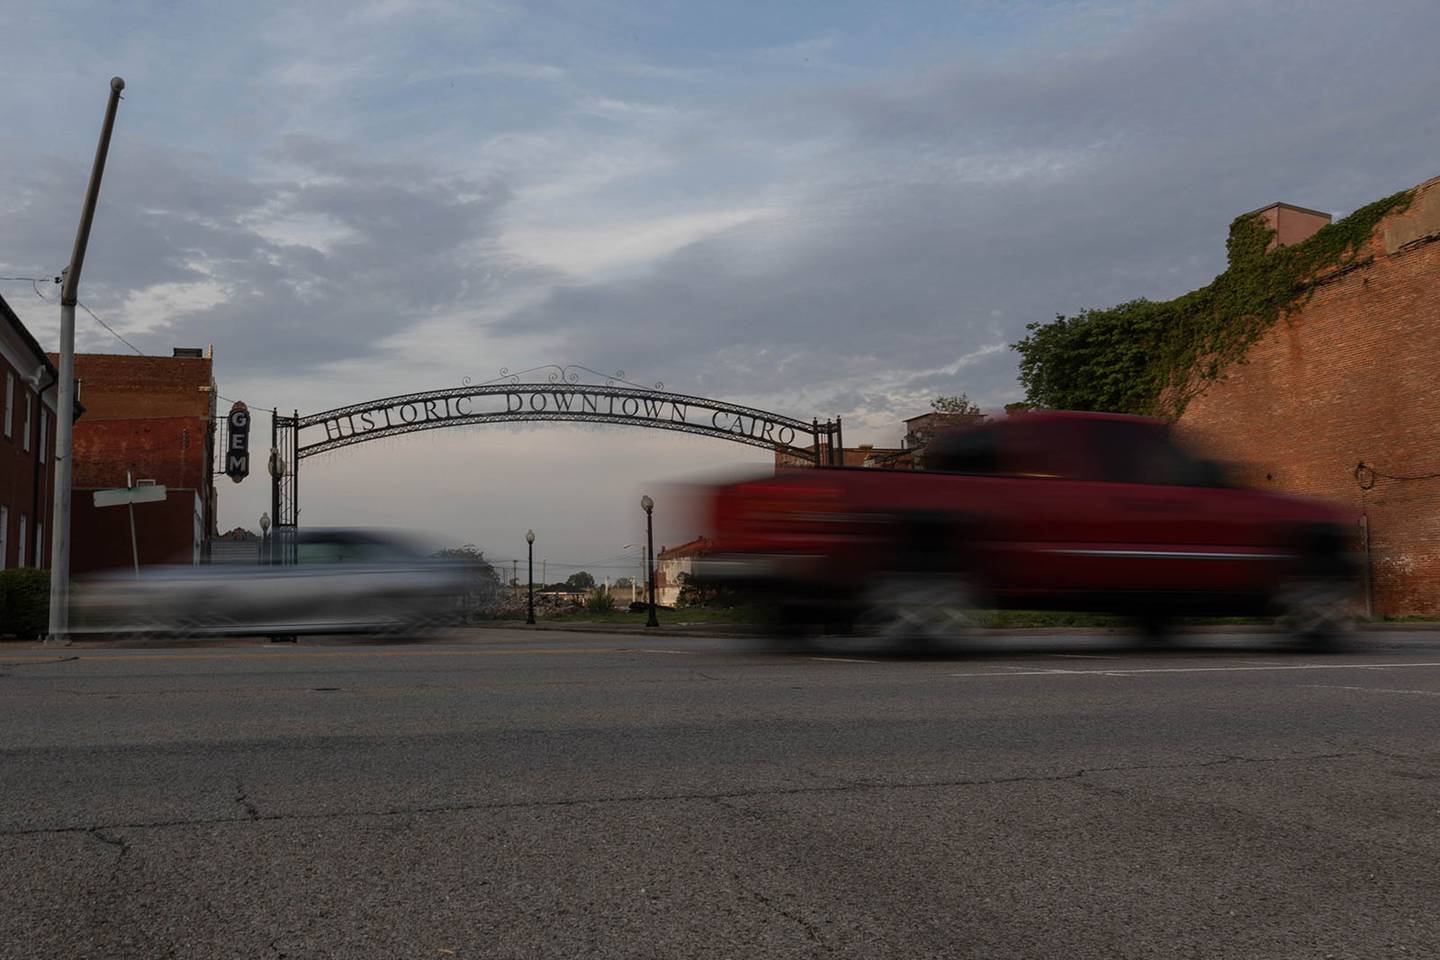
x=1351 y=377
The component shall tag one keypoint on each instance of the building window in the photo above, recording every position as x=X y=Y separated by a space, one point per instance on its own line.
x=29 y=413
x=44 y=432
x=4 y=537
x=20 y=546
x=9 y=400
x=39 y=544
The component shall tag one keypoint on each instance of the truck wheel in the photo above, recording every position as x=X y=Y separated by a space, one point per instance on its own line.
x=915 y=612
x=1315 y=604
x=786 y=627
x=1315 y=609
x=1155 y=627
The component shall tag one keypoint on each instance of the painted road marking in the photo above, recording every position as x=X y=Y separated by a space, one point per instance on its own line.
x=267 y=654
x=1255 y=669
x=844 y=660
x=1423 y=693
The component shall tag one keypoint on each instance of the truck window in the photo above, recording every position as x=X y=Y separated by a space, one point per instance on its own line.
x=1043 y=449
x=963 y=451
x=1138 y=452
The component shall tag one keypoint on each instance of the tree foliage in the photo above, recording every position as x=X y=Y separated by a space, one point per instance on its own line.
x=24 y=602
x=1153 y=357
x=959 y=403
x=580 y=581
x=473 y=555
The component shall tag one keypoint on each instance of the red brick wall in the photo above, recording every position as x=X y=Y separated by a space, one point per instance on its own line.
x=100 y=537
x=1353 y=376
x=169 y=450
x=124 y=387
x=150 y=417
x=18 y=477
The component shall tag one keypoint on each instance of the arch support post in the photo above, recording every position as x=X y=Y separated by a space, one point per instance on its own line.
x=284 y=468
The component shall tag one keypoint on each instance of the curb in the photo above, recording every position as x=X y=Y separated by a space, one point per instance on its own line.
x=745 y=631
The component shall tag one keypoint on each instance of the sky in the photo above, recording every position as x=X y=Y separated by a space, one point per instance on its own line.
x=817 y=208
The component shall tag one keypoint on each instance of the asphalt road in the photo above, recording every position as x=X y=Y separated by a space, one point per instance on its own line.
x=551 y=795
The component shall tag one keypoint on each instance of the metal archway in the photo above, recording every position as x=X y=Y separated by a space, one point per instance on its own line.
x=561 y=396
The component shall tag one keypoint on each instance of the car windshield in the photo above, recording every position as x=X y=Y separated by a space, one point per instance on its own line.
x=352 y=548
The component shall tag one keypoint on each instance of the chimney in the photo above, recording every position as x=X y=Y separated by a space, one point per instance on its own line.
x=1291 y=224
x=189 y=353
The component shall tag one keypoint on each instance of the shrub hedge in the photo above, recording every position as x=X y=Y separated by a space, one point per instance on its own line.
x=24 y=602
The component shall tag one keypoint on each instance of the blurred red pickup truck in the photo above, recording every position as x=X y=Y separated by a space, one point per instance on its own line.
x=1051 y=510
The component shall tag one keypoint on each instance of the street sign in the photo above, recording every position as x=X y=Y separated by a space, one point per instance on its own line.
x=131 y=495
x=120 y=495
x=237 y=450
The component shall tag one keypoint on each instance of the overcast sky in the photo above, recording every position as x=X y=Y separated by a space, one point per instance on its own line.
x=819 y=208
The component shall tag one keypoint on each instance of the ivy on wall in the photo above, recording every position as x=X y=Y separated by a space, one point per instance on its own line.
x=1152 y=357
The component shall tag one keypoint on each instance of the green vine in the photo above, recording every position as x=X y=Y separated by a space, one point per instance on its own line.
x=1153 y=357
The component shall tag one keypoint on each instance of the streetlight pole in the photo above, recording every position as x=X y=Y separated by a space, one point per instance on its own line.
x=530 y=575
x=648 y=506
x=277 y=469
x=59 y=627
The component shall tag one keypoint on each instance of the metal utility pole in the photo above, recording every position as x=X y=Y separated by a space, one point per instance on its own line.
x=65 y=399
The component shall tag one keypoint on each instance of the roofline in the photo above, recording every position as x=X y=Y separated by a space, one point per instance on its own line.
x=1290 y=206
x=29 y=339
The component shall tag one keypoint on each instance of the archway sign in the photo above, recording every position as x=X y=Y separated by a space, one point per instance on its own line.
x=553 y=392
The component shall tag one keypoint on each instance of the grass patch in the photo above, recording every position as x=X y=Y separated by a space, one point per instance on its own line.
x=715 y=615
x=986 y=619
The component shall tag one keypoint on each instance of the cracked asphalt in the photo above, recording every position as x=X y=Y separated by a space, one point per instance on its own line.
x=510 y=794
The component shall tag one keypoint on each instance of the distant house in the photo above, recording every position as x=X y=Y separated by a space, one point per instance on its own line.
x=673 y=568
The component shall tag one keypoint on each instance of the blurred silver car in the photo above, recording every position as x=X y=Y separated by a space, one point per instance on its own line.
x=343 y=581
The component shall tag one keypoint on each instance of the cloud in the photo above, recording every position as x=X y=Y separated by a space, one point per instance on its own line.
x=358 y=201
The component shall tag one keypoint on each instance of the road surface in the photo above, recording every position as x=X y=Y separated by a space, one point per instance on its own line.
x=511 y=794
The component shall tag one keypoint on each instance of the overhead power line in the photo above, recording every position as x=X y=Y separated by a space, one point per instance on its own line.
x=111 y=330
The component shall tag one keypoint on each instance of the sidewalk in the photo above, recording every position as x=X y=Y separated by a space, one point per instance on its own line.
x=678 y=629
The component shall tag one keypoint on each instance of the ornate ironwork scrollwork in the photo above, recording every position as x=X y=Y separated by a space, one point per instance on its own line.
x=563 y=373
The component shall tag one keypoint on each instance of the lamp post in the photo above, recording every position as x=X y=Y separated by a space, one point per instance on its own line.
x=276 y=467
x=265 y=536
x=648 y=506
x=530 y=575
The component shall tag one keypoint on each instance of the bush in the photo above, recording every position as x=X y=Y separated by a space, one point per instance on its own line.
x=24 y=602
x=600 y=601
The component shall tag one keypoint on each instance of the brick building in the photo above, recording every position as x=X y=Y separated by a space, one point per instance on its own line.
x=1341 y=399
x=151 y=419
x=910 y=455
x=27 y=435
x=864 y=455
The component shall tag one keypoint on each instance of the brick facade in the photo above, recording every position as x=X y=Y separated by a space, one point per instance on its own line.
x=1351 y=378
x=27 y=439
x=153 y=419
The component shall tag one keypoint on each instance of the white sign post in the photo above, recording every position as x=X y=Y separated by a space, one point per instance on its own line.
x=130 y=495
